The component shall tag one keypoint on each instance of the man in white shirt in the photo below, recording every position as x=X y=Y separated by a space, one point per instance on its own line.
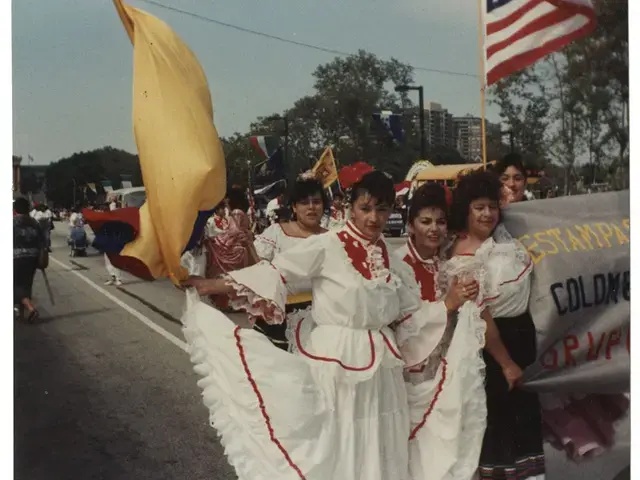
x=43 y=215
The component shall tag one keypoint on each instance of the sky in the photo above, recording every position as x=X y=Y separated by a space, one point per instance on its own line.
x=72 y=61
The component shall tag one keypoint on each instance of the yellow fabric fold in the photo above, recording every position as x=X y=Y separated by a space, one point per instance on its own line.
x=181 y=157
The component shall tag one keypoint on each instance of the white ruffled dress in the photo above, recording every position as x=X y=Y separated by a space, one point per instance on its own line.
x=445 y=387
x=337 y=409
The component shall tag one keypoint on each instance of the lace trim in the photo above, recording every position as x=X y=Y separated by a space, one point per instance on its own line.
x=293 y=319
x=471 y=370
x=387 y=276
x=376 y=264
x=243 y=298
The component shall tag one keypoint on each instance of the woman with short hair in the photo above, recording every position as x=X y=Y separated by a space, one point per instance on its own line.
x=482 y=248
x=513 y=176
x=307 y=201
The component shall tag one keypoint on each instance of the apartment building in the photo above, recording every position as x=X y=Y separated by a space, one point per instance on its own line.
x=468 y=136
x=439 y=127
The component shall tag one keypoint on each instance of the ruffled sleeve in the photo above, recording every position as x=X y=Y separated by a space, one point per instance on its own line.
x=422 y=324
x=261 y=290
x=265 y=243
x=509 y=269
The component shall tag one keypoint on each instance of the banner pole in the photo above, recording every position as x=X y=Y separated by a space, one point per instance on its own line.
x=483 y=127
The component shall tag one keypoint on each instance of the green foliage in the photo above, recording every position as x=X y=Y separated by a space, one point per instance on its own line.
x=573 y=106
x=73 y=173
x=339 y=114
x=441 y=155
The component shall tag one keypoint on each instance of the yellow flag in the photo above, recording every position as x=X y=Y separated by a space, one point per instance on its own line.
x=181 y=156
x=325 y=168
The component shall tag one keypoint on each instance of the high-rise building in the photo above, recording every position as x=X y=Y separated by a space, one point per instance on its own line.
x=468 y=135
x=438 y=124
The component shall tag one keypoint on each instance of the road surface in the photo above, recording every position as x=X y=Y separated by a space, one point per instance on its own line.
x=104 y=389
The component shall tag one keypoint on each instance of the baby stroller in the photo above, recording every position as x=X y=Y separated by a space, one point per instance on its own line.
x=77 y=241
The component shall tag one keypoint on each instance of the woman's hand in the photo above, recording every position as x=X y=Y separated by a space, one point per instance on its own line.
x=512 y=374
x=201 y=284
x=460 y=292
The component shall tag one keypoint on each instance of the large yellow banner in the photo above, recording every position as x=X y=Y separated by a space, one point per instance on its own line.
x=181 y=156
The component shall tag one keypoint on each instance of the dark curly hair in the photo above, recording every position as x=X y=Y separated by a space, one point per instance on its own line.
x=237 y=199
x=304 y=188
x=376 y=184
x=510 y=160
x=429 y=195
x=21 y=206
x=472 y=187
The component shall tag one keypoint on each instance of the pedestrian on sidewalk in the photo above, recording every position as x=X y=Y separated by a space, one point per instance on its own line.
x=114 y=273
x=28 y=250
x=43 y=216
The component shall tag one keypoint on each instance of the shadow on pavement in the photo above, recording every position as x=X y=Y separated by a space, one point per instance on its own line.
x=60 y=431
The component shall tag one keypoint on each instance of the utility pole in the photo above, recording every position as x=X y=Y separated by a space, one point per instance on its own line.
x=285 y=120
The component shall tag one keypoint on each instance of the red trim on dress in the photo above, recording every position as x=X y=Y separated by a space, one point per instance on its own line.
x=354 y=245
x=425 y=278
x=432 y=404
x=284 y=280
x=354 y=231
x=404 y=319
x=390 y=346
x=521 y=273
x=335 y=360
x=262 y=406
x=266 y=240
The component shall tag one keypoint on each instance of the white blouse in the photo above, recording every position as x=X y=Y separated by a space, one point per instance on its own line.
x=358 y=292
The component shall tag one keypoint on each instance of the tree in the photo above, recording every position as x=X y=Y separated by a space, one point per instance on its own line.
x=442 y=155
x=69 y=176
x=239 y=157
x=573 y=105
x=524 y=108
x=339 y=114
x=599 y=69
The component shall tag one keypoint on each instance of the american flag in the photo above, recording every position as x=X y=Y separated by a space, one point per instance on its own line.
x=520 y=32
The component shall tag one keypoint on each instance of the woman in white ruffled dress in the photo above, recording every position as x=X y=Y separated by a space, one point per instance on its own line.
x=307 y=201
x=336 y=410
x=512 y=445
x=444 y=387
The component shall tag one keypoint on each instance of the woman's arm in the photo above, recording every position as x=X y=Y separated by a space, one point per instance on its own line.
x=493 y=344
x=209 y=286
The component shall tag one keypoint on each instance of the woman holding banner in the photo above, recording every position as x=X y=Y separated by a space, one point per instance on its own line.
x=512 y=445
x=307 y=200
x=513 y=176
x=338 y=409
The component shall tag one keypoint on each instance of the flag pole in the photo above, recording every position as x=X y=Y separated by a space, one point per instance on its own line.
x=483 y=127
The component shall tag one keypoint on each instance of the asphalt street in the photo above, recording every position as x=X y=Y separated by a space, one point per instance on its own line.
x=104 y=389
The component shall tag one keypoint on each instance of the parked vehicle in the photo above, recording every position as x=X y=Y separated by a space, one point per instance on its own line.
x=395 y=224
x=128 y=197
